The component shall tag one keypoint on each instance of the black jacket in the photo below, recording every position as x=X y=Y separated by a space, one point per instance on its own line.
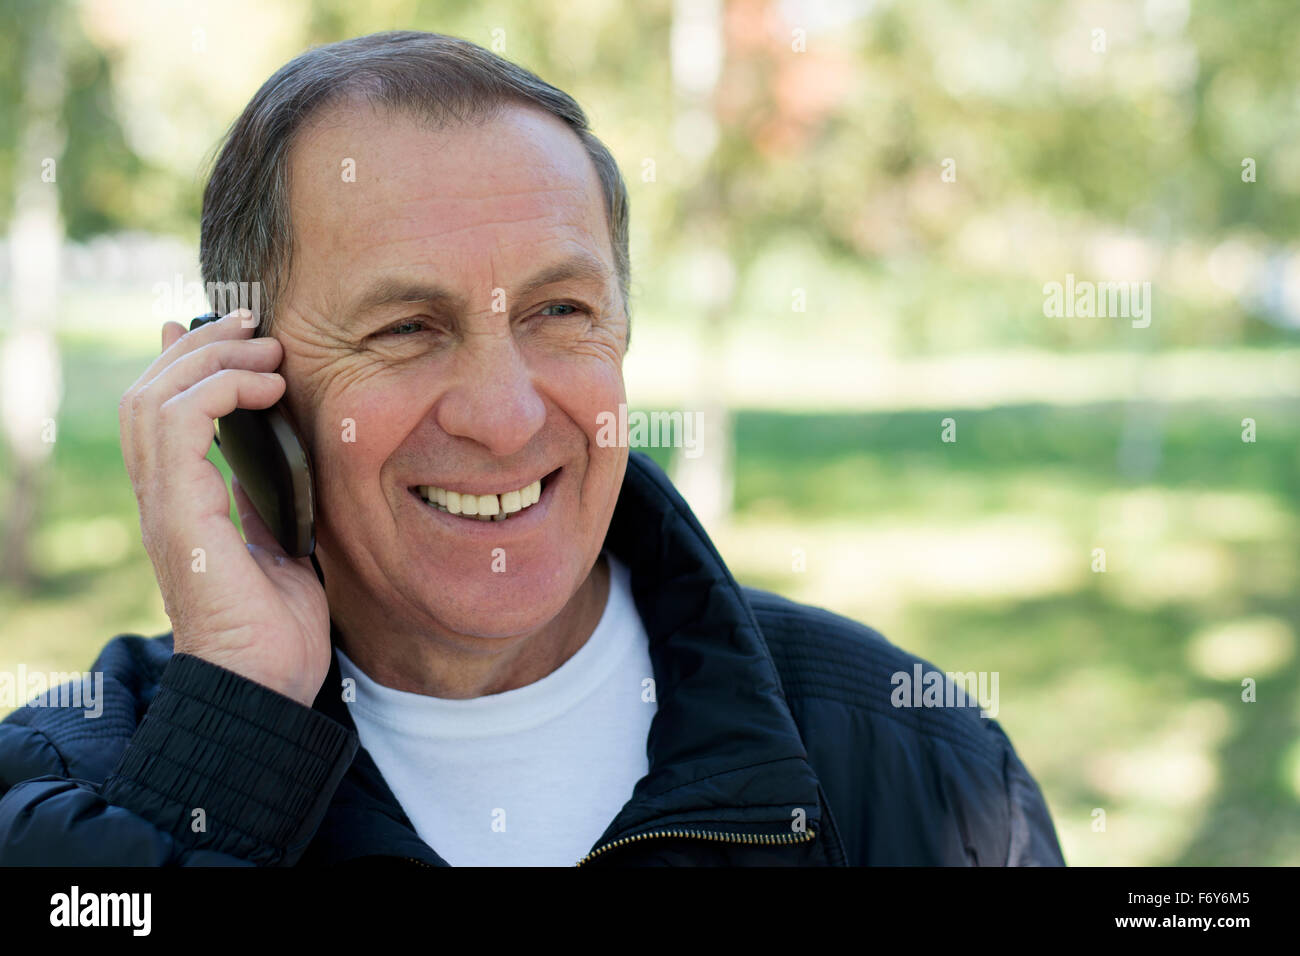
x=775 y=743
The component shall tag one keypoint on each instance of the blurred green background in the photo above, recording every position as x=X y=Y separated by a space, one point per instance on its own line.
x=843 y=217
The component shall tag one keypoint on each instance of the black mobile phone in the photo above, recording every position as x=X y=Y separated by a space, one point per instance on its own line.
x=267 y=455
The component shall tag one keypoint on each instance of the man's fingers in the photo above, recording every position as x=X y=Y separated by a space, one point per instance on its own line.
x=257 y=355
x=171 y=331
x=229 y=326
x=175 y=481
x=139 y=410
x=174 y=346
x=184 y=421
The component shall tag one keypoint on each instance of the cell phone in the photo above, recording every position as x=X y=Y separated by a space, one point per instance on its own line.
x=267 y=455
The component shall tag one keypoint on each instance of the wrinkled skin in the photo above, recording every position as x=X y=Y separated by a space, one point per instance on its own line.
x=454 y=394
x=481 y=385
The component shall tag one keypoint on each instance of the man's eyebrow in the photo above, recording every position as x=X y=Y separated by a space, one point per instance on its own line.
x=388 y=290
x=582 y=267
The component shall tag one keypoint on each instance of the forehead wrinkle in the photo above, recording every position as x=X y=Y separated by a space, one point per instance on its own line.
x=446 y=222
x=546 y=205
x=428 y=225
x=578 y=266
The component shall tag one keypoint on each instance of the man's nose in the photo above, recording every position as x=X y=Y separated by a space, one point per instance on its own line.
x=491 y=399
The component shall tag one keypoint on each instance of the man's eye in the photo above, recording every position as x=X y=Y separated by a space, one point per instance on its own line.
x=406 y=328
x=561 y=305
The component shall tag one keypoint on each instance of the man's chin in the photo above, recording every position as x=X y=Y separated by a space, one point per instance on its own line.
x=497 y=625
x=500 y=608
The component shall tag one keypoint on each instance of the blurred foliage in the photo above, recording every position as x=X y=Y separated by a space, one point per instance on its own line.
x=1120 y=689
x=1059 y=149
x=98 y=172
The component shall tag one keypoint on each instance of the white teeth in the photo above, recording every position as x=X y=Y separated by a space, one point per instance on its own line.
x=483 y=507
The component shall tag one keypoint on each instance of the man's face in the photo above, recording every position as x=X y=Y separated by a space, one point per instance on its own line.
x=420 y=350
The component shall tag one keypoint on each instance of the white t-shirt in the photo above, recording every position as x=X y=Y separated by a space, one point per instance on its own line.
x=529 y=777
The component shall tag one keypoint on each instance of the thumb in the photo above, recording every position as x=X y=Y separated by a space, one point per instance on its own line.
x=255 y=530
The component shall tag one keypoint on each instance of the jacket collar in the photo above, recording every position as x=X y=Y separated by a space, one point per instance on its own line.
x=723 y=747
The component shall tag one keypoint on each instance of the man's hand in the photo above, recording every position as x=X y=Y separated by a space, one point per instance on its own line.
x=246 y=607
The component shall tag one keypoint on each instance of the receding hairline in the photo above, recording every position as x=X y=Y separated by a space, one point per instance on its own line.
x=354 y=102
x=361 y=94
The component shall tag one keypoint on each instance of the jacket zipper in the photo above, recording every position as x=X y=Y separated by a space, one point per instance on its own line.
x=770 y=839
x=765 y=838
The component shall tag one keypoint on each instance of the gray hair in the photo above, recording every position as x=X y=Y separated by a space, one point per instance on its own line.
x=245 y=231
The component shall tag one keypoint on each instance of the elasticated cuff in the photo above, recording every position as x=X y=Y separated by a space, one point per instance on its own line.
x=226 y=764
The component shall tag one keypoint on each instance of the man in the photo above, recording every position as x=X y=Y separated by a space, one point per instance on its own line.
x=442 y=246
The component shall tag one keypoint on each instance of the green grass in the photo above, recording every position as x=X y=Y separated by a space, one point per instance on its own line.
x=1117 y=688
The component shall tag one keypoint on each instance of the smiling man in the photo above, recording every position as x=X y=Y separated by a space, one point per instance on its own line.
x=458 y=302
x=516 y=645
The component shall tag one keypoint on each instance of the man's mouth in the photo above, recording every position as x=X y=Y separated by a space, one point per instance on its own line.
x=489 y=507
